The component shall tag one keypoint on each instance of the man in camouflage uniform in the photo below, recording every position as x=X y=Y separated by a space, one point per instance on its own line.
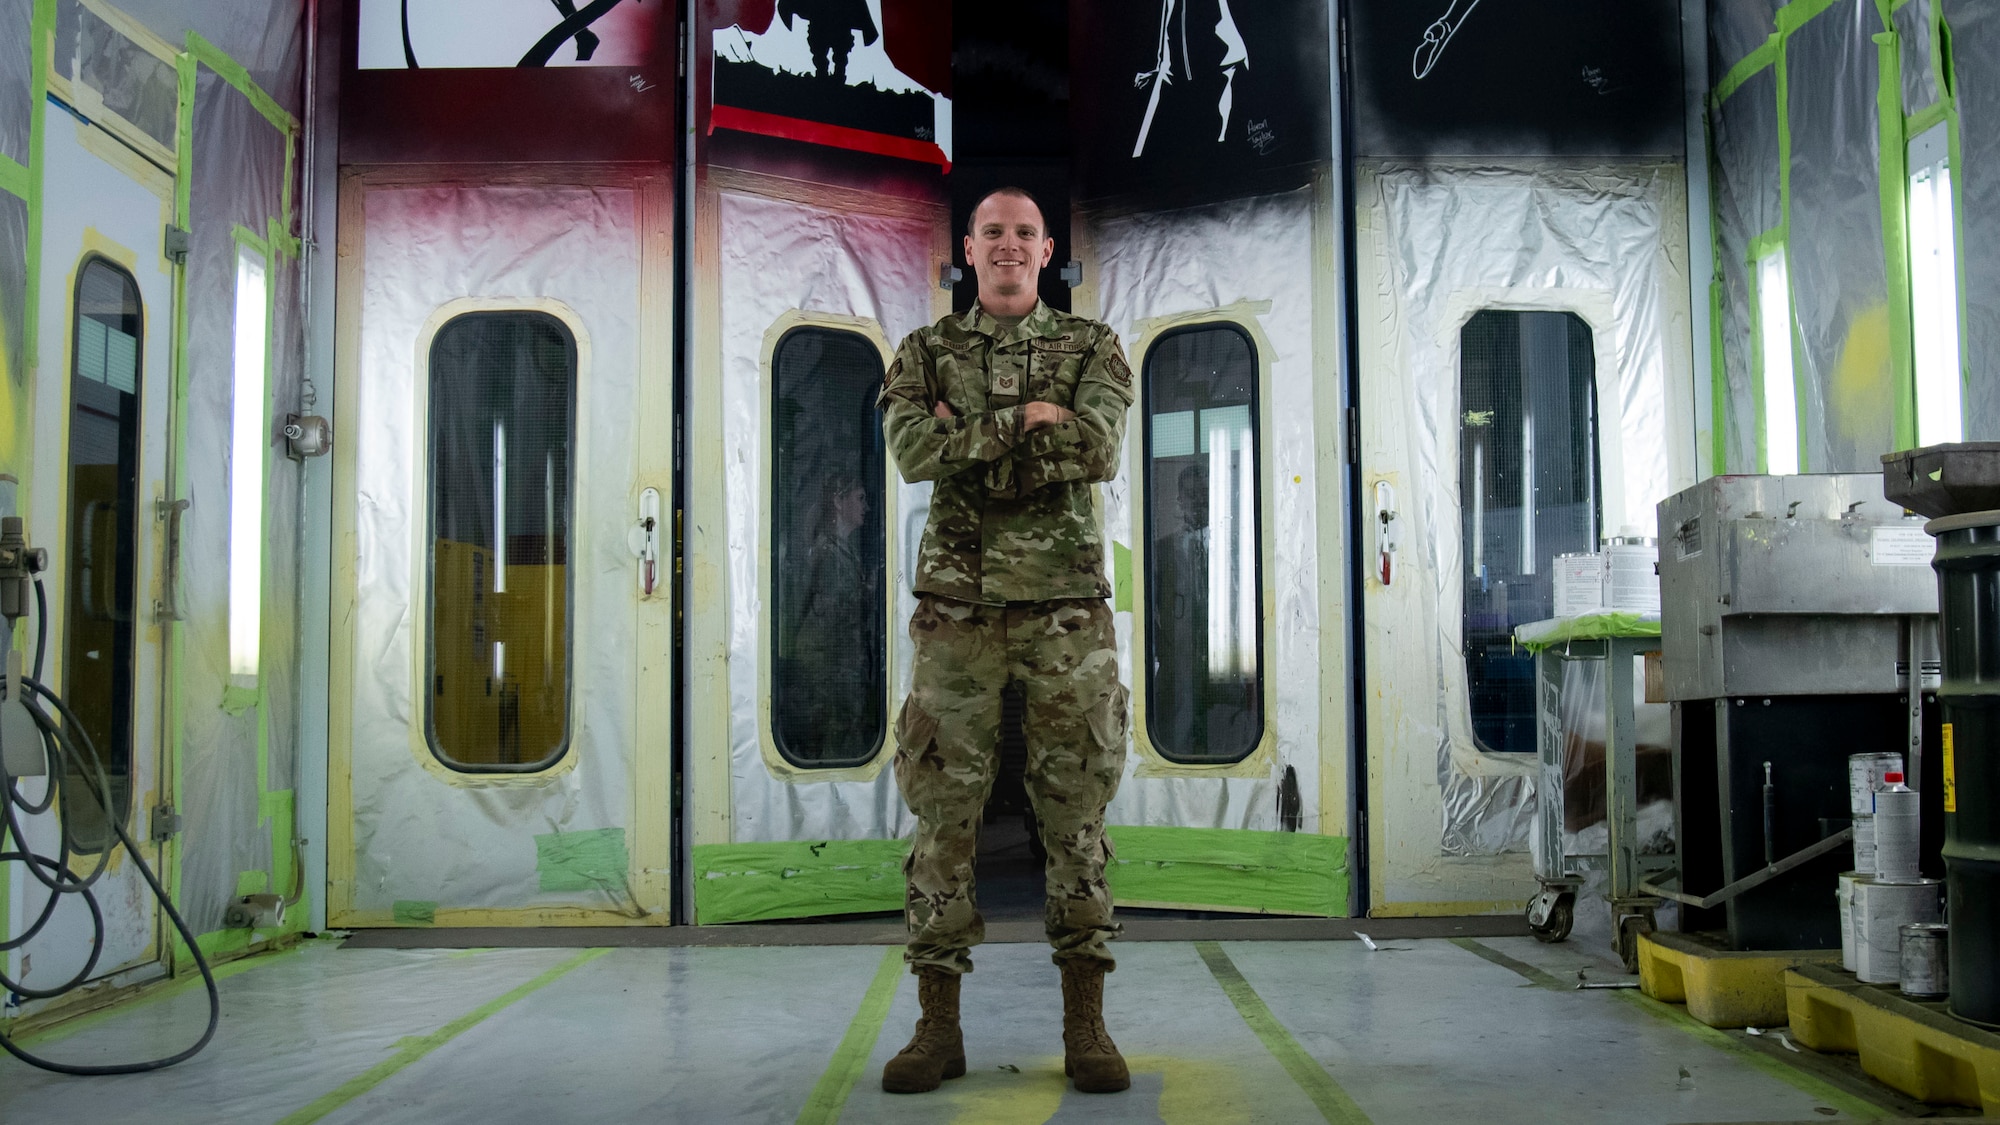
x=1014 y=410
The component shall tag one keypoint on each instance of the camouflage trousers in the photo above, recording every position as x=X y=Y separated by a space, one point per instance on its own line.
x=1064 y=657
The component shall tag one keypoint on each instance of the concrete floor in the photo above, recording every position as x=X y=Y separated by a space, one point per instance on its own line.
x=1487 y=1030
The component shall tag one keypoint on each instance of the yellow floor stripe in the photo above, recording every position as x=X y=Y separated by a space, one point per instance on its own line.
x=148 y=993
x=1333 y=1102
x=829 y=1095
x=1487 y=952
x=414 y=1048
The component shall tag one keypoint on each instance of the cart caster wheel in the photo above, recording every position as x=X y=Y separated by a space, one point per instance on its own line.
x=1555 y=926
x=1630 y=927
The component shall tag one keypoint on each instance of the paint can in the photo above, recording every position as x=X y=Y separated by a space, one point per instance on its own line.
x=1881 y=910
x=1896 y=840
x=1579 y=584
x=1864 y=777
x=1632 y=573
x=1864 y=845
x=1924 y=955
x=1844 y=896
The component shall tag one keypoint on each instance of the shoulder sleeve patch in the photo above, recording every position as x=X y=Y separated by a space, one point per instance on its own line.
x=1115 y=363
x=895 y=369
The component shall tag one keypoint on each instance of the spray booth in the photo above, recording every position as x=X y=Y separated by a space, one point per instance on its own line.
x=451 y=428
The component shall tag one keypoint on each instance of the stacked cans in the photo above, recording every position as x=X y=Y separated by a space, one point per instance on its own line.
x=1623 y=576
x=1886 y=896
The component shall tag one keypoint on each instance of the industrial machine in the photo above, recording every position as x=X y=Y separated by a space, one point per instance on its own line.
x=1793 y=611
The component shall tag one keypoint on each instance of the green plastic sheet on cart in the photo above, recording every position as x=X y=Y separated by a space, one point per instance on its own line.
x=1588 y=627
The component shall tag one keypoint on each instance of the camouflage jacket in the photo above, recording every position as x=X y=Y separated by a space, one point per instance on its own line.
x=1012 y=516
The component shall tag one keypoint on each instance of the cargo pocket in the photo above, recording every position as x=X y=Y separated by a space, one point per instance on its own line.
x=1107 y=719
x=915 y=729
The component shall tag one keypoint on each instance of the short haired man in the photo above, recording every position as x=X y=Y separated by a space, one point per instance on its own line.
x=1014 y=410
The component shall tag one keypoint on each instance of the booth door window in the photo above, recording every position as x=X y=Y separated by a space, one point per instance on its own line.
x=1204 y=592
x=829 y=572
x=502 y=411
x=98 y=637
x=1528 y=488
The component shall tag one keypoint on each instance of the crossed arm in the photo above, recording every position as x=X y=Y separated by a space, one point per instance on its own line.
x=930 y=441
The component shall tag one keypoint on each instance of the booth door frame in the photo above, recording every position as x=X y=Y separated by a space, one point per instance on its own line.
x=119 y=213
x=650 y=812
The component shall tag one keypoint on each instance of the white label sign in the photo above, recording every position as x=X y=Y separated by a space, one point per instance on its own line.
x=1902 y=546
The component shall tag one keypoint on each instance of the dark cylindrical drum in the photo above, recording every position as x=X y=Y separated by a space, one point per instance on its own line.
x=1968 y=570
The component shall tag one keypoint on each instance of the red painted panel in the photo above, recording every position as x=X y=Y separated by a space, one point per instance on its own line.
x=556 y=114
x=917 y=35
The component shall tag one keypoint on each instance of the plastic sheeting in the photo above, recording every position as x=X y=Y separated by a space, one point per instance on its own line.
x=472 y=840
x=1745 y=136
x=1913 y=24
x=266 y=36
x=1975 y=47
x=239 y=165
x=1257 y=251
x=1595 y=242
x=13 y=307
x=1840 y=299
x=1736 y=28
x=781 y=257
x=16 y=80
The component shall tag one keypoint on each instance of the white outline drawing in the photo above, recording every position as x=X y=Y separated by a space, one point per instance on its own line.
x=1436 y=36
x=1235 y=56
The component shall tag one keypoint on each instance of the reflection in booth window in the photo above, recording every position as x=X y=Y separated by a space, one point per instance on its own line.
x=829 y=617
x=502 y=416
x=1204 y=647
x=98 y=639
x=1528 y=488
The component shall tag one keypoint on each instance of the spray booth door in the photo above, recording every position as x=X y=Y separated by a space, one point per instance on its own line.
x=501 y=671
x=801 y=544
x=1517 y=329
x=101 y=432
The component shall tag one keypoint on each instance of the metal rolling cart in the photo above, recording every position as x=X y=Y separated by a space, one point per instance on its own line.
x=1617 y=638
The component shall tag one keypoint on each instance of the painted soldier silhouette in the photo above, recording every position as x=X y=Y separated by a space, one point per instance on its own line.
x=830 y=28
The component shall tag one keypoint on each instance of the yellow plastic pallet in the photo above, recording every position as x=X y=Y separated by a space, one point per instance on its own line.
x=1721 y=987
x=1914 y=1047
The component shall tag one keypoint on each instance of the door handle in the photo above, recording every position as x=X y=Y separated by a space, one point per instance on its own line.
x=168 y=607
x=1388 y=532
x=644 y=539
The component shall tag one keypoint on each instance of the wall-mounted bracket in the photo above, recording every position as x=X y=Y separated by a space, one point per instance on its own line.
x=307 y=435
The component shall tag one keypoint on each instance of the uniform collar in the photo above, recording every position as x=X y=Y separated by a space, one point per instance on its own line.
x=1040 y=321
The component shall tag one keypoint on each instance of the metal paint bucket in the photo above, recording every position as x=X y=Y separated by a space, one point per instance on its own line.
x=1881 y=910
x=1864 y=845
x=1924 y=957
x=1844 y=896
x=1632 y=574
x=1864 y=777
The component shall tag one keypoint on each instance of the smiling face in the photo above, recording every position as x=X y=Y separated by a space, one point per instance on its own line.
x=1007 y=249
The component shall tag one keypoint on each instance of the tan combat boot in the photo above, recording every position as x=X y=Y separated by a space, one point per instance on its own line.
x=937 y=1051
x=1090 y=1058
